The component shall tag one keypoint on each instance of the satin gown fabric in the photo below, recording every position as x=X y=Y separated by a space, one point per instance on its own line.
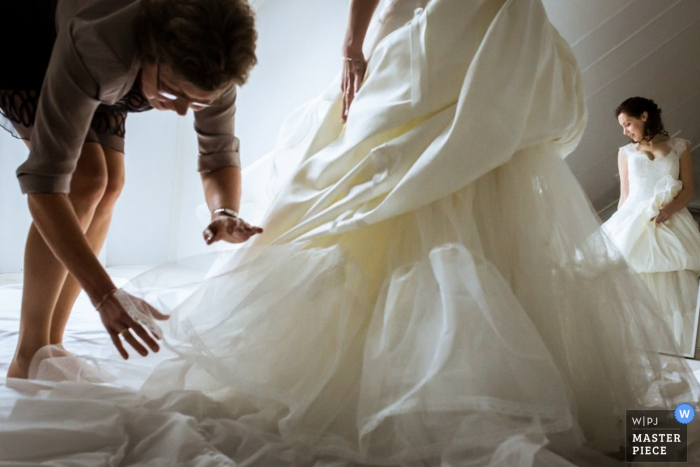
x=432 y=287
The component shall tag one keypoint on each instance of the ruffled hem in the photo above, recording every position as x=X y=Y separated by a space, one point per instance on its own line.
x=7 y=125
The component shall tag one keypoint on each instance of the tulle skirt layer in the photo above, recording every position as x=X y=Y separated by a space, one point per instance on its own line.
x=677 y=297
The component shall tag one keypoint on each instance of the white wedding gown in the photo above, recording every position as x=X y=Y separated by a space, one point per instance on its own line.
x=432 y=287
x=667 y=255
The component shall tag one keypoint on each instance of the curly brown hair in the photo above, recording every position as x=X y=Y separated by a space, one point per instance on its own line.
x=208 y=43
x=635 y=107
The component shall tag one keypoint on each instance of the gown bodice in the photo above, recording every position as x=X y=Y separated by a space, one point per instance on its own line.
x=648 y=177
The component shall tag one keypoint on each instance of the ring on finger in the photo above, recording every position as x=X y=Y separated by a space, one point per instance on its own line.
x=123 y=331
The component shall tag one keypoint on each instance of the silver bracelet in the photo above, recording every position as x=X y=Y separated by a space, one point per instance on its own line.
x=104 y=298
x=225 y=211
x=357 y=62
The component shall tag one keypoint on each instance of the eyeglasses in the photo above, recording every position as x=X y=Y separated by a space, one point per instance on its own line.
x=194 y=105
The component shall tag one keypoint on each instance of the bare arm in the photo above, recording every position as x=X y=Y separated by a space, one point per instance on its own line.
x=58 y=224
x=686 y=194
x=624 y=178
x=361 y=12
x=55 y=219
x=222 y=189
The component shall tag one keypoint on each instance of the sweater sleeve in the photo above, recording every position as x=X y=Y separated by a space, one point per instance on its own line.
x=66 y=105
x=218 y=145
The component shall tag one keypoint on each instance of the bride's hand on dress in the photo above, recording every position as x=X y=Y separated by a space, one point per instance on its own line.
x=121 y=325
x=354 y=67
x=354 y=64
x=229 y=229
x=664 y=215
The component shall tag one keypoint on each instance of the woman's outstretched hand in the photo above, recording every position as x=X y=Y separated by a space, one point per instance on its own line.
x=126 y=317
x=354 y=67
x=229 y=229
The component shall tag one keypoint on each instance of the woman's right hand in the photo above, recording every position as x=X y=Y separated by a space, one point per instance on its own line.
x=55 y=218
x=229 y=229
x=125 y=317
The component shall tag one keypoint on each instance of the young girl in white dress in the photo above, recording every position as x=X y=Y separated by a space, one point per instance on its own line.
x=652 y=227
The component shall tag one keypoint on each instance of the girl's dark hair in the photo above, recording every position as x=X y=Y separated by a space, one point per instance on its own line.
x=635 y=107
x=208 y=43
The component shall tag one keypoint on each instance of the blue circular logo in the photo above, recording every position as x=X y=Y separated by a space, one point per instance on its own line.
x=685 y=413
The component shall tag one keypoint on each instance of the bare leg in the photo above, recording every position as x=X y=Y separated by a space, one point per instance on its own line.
x=44 y=275
x=96 y=235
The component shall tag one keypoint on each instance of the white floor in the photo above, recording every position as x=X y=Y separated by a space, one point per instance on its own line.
x=84 y=333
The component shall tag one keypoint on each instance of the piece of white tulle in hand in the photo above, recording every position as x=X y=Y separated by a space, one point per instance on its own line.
x=140 y=311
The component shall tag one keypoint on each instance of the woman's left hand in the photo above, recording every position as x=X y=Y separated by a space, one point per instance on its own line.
x=354 y=67
x=229 y=229
x=664 y=215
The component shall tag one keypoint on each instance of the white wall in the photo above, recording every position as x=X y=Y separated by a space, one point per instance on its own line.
x=154 y=221
x=14 y=215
